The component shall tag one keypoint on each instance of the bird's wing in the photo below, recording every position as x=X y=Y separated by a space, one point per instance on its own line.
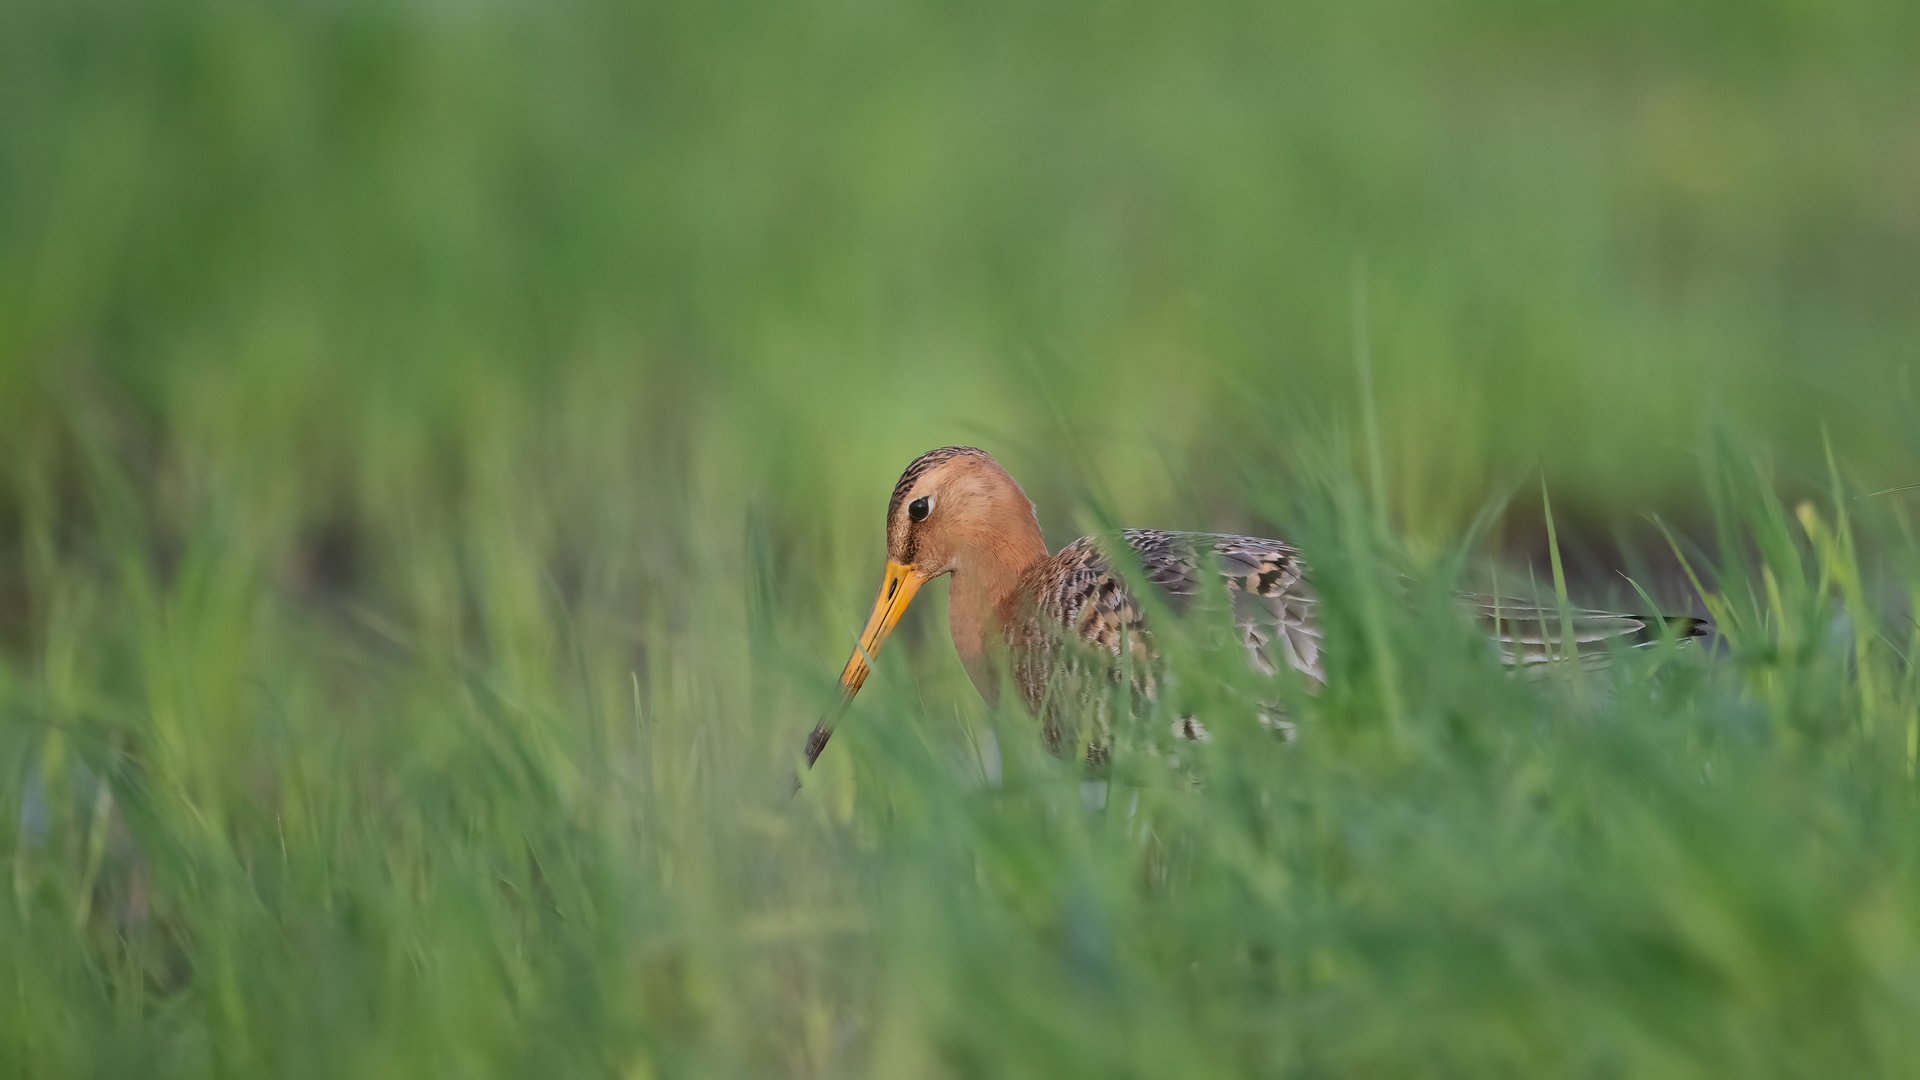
x=1263 y=579
x=1274 y=608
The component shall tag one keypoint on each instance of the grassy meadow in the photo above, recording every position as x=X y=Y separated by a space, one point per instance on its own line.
x=443 y=452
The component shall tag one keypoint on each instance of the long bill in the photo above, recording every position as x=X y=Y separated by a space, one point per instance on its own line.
x=896 y=590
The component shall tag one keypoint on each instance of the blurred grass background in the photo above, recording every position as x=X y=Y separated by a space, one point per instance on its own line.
x=445 y=448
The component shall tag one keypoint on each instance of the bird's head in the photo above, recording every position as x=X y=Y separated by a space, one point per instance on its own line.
x=951 y=509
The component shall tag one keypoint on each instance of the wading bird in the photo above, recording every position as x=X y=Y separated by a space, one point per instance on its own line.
x=1063 y=628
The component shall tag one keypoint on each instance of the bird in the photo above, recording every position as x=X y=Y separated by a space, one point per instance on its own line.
x=1057 y=626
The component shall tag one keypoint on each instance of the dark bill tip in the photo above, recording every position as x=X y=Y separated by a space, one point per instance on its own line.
x=817 y=741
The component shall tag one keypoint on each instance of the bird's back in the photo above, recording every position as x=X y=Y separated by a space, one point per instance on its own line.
x=1080 y=612
x=1081 y=624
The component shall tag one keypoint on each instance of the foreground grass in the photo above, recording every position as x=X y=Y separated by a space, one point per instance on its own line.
x=248 y=836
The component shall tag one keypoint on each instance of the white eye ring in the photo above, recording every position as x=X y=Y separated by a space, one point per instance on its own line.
x=918 y=509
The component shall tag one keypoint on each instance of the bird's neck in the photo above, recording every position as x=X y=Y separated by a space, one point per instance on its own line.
x=984 y=599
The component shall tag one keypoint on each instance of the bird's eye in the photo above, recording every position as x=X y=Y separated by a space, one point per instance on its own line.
x=918 y=509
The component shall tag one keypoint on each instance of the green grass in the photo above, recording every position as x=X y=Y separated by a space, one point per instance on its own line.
x=444 y=448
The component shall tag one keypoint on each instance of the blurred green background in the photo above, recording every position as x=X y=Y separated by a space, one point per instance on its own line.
x=445 y=446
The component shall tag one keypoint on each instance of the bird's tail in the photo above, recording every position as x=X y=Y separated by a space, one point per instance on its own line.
x=1529 y=633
